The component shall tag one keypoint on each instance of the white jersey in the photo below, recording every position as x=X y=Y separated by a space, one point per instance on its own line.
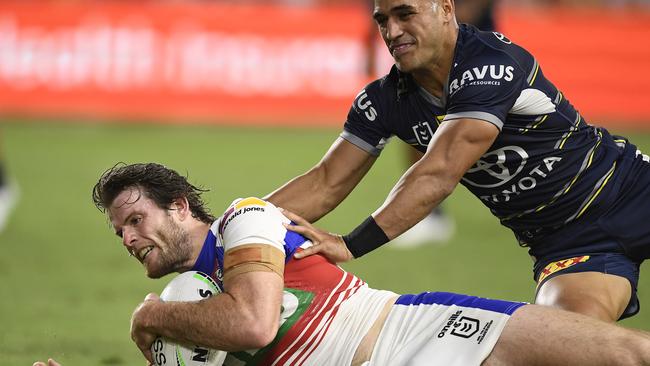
x=326 y=311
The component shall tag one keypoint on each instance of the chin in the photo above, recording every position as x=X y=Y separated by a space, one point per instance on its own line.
x=156 y=273
x=404 y=65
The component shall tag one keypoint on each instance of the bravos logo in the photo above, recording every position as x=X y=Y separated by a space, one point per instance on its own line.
x=477 y=76
x=496 y=167
x=501 y=166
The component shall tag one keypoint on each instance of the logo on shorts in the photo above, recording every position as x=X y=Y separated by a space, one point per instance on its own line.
x=554 y=267
x=465 y=327
x=460 y=326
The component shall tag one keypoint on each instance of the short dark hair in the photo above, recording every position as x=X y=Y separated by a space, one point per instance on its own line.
x=157 y=182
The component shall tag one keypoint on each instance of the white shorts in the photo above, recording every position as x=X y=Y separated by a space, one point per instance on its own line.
x=440 y=328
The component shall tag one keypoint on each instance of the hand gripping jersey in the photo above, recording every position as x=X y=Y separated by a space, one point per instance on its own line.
x=547 y=166
x=320 y=322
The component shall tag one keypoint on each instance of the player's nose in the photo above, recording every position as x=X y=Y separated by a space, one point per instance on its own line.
x=129 y=239
x=393 y=29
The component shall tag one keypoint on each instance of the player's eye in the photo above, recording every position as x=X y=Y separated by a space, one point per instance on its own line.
x=136 y=220
x=381 y=21
x=119 y=233
x=406 y=15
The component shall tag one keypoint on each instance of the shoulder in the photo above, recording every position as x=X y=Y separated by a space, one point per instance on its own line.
x=252 y=220
x=379 y=94
x=477 y=48
x=477 y=44
x=379 y=99
x=488 y=59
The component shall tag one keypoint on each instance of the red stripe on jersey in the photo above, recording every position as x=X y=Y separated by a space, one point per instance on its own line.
x=309 y=348
x=331 y=287
x=312 y=320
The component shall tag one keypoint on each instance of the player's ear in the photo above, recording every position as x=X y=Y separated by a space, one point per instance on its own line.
x=182 y=208
x=448 y=8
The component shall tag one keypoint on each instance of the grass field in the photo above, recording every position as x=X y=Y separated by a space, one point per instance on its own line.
x=68 y=287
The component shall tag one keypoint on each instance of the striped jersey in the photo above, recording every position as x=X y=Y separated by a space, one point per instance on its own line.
x=547 y=167
x=325 y=311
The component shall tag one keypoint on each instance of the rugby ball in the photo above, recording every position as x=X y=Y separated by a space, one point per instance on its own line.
x=188 y=286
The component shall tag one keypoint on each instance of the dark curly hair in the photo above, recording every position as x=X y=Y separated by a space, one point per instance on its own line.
x=157 y=182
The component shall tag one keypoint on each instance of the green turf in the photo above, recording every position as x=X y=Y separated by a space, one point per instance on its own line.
x=68 y=288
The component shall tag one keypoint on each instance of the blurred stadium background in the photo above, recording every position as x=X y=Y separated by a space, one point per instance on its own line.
x=243 y=95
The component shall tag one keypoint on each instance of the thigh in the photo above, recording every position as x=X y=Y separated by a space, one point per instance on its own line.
x=598 y=295
x=539 y=335
x=601 y=285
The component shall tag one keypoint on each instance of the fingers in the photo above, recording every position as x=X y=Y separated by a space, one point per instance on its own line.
x=314 y=249
x=303 y=230
x=152 y=297
x=148 y=355
x=50 y=362
x=295 y=218
x=144 y=345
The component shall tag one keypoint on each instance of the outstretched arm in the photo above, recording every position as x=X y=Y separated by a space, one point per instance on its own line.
x=455 y=147
x=243 y=317
x=318 y=191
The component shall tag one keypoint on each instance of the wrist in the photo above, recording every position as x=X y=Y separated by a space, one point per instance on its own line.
x=365 y=238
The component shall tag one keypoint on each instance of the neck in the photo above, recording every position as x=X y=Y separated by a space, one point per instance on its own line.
x=434 y=77
x=198 y=231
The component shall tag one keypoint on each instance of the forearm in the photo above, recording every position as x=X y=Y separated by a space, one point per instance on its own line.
x=306 y=196
x=404 y=207
x=218 y=323
x=413 y=198
x=455 y=147
x=317 y=192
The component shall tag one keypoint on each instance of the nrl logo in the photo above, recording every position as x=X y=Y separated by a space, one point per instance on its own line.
x=465 y=327
x=423 y=133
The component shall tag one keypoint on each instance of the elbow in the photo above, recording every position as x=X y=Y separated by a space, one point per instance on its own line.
x=447 y=187
x=259 y=334
x=437 y=185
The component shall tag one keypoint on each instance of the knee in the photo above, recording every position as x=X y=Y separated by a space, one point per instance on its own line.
x=631 y=348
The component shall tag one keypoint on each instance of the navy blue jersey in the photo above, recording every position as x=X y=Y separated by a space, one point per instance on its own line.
x=547 y=167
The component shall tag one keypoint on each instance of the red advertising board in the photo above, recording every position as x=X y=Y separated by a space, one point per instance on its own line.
x=181 y=61
x=261 y=64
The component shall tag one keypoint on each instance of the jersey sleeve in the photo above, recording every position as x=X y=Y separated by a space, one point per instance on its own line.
x=485 y=89
x=365 y=124
x=253 y=237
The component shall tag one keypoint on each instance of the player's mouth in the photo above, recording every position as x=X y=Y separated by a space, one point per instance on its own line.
x=399 y=49
x=142 y=253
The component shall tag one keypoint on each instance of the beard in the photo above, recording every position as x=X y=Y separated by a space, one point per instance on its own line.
x=176 y=254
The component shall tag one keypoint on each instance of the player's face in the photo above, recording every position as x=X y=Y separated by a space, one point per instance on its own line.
x=152 y=235
x=410 y=29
